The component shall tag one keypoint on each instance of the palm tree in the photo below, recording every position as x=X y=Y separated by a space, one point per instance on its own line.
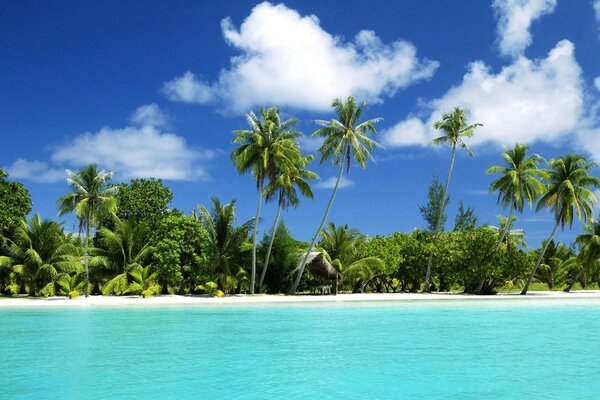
x=269 y=146
x=553 y=269
x=589 y=254
x=512 y=237
x=519 y=182
x=136 y=279
x=91 y=196
x=568 y=195
x=70 y=285
x=127 y=244
x=455 y=127
x=284 y=188
x=38 y=253
x=346 y=141
x=340 y=245
x=229 y=243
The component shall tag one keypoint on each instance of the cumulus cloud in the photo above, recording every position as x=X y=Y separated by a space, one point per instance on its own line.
x=527 y=101
x=514 y=21
x=289 y=60
x=596 y=6
x=35 y=171
x=329 y=183
x=597 y=83
x=149 y=115
x=141 y=151
x=135 y=152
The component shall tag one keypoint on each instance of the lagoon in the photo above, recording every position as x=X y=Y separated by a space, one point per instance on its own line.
x=436 y=349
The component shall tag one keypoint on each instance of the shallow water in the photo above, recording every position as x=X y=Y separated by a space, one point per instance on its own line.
x=500 y=350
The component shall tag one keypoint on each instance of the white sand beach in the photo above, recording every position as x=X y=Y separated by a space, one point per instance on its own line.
x=576 y=297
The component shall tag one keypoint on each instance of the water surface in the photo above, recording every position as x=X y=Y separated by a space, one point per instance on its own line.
x=470 y=350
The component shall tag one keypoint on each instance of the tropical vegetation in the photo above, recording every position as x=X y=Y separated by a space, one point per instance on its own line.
x=130 y=240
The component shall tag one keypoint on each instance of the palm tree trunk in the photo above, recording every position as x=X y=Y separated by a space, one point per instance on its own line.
x=85 y=257
x=314 y=239
x=539 y=261
x=273 y=230
x=506 y=228
x=439 y=221
x=253 y=275
x=568 y=288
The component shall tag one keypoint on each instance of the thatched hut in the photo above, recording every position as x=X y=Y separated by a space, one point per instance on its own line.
x=318 y=265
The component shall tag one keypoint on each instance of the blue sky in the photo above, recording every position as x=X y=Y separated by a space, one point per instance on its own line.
x=156 y=88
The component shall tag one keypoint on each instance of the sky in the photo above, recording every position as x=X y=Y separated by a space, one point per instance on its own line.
x=155 y=89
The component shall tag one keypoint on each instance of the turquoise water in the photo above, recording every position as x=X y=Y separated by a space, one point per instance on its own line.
x=400 y=350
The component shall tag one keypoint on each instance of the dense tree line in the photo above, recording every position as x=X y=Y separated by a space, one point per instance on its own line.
x=131 y=241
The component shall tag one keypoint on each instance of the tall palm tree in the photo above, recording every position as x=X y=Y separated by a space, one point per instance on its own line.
x=39 y=252
x=284 y=188
x=519 y=182
x=229 y=242
x=90 y=197
x=568 y=194
x=346 y=141
x=456 y=128
x=270 y=145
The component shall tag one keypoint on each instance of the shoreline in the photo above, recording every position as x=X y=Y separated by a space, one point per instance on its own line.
x=534 y=297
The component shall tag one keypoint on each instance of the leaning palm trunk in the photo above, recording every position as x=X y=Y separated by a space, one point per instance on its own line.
x=568 y=288
x=314 y=239
x=273 y=230
x=439 y=222
x=253 y=275
x=506 y=228
x=539 y=261
x=85 y=257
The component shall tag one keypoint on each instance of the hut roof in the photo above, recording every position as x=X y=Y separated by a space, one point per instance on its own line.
x=318 y=265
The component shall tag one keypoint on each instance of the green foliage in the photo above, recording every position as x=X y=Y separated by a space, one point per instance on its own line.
x=228 y=245
x=209 y=287
x=15 y=204
x=465 y=219
x=134 y=280
x=140 y=200
x=182 y=251
x=38 y=253
x=555 y=264
x=432 y=211
x=283 y=260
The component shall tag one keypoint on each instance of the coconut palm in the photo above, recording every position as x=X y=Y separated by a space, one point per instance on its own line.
x=512 y=237
x=456 y=128
x=285 y=189
x=70 y=285
x=568 y=195
x=589 y=253
x=269 y=146
x=346 y=142
x=91 y=196
x=38 y=253
x=519 y=182
x=229 y=243
x=340 y=245
x=555 y=263
x=127 y=244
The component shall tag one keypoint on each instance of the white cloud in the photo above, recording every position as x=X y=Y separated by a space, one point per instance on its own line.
x=149 y=115
x=134 y=152
x=35 y=171
x=289 y=60
x=514 y=21
x=329 y=183
x=596 y=6
x=189 y=89
x=597 y=83
x=527 y=101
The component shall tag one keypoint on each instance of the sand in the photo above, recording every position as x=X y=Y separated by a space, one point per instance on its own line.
x=577 y=297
